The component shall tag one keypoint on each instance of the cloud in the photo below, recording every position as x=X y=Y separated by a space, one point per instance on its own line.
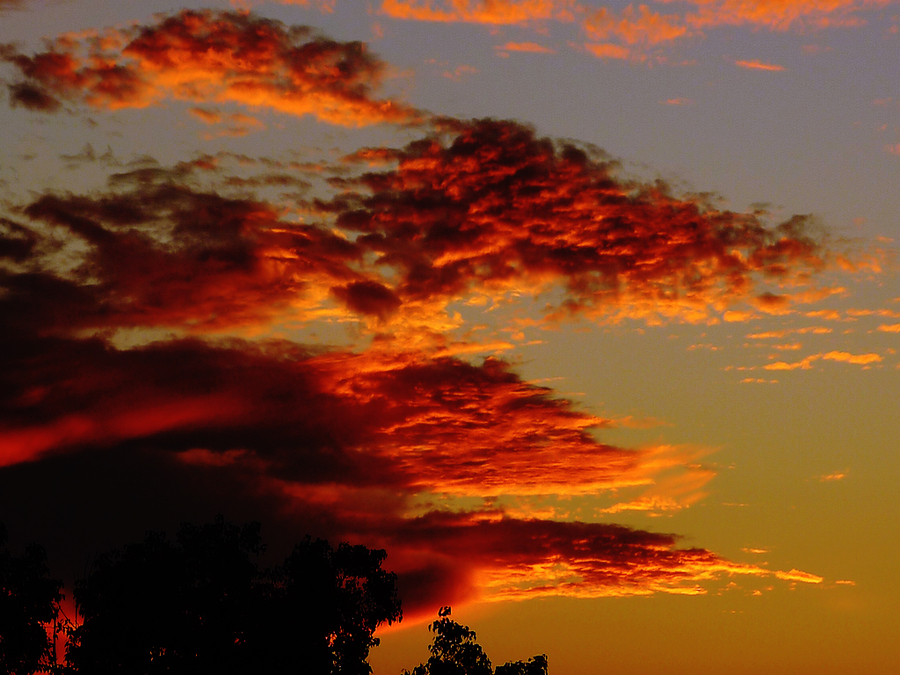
x=161 y=339
x=491 y=207
x=518 y=559
x=858 y=359
x=780 y=14
x=209 y=56
x=485 y=209
x=758 y=65
x=797 y=575
x=845 y=357
x=339 y=444
x=634 y=27
x=637 y=29
x=396 y=422
x=161 y=254
x=606 y=50
x=530 y=47
x=324 y=6
x=500 y=12
x=32 y=97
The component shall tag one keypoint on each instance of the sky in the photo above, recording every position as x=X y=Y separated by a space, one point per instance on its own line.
x=586 y=312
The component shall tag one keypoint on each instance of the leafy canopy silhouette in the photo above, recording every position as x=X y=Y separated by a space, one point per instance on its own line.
x=201 y=604
x=454 y=651
x=29 y=608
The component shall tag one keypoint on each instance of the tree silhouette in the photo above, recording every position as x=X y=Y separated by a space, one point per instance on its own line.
x=29 y=607
x=202 y=605
x=454 y=651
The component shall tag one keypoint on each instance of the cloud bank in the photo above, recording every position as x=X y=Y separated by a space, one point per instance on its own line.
x=156 y=358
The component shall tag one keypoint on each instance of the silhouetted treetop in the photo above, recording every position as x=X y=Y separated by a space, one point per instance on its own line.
x=29 y=607
x=202 y=605
x=454 y=651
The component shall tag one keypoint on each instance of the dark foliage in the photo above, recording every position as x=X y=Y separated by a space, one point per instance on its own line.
x=29 y=607
x=202 y=605
x=454 y=651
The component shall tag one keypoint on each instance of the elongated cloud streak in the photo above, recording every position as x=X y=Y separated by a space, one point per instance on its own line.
x=758 y=65
x=480 y=11
x=637 y=28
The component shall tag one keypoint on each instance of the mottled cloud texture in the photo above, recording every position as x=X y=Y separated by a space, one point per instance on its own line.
x=157 y=358
x=210 y=57
x=632 y=31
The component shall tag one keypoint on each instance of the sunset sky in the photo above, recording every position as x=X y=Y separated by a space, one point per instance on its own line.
x=588 y=313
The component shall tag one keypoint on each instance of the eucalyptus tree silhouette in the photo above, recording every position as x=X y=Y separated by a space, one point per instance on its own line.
x=454 y=651
x=29 y=607
x=202 y=605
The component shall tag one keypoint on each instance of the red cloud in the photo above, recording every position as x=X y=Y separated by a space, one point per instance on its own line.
x=495 y=207
x=167 y=255
x=209 y=56
x=440 y=426
x=491 y=556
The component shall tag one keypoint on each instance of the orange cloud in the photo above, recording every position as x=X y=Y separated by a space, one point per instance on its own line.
x=834 y=476
x=209 y=56
x=325 y=6
x=758 y=65
x=606 y=50
x=805 y=364
x=798 y=575
x=206 y=115
x=858 y=359
x=203 y=262
x=780 y=14
x=531 y=47
x=480 y=11
x=634 y=27
x=513 y=559
x=353 y=436
x=846 y=357
x=889 y=328
x=471 y=214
